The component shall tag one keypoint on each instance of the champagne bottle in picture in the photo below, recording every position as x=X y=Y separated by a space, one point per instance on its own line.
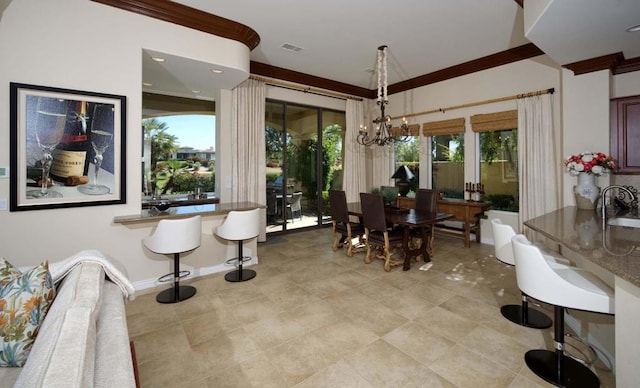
x=70 y=156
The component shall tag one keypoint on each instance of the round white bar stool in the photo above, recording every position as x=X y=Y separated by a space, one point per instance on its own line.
x=519 y=314
x=564 y=287
x=175 y=237
x=240 y=226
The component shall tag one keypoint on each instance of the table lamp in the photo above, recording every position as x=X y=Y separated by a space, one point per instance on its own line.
x=402 y=176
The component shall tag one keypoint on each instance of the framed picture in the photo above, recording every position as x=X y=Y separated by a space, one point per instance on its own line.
x=67 y=148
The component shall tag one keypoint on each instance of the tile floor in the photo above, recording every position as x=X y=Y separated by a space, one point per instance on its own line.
x=317 y=318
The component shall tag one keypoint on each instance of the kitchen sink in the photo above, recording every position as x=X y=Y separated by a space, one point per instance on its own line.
x=627 y=222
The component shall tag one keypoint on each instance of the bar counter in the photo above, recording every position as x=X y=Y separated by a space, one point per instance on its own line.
x=614 y=248
x=614 y=251
x=210 y=209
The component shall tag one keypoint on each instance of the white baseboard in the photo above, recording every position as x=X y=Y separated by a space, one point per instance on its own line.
x=195 y=273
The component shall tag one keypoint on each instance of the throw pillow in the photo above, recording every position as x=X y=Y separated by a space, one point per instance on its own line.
x=24 y=302
x=7 y=272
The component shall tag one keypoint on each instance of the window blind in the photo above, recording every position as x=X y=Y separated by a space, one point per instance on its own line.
x=443 y=127
x=497 y=121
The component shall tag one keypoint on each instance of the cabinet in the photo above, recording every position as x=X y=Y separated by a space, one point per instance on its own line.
x=625 y=133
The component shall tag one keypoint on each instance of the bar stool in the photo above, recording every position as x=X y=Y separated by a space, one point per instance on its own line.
x=175 y=237
x=564 y=287
x=240 y=226
x=519 y=314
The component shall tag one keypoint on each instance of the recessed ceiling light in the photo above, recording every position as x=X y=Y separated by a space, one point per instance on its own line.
x=635 y=28
x=195 y=91
x=147 y=84
x=158 y=59
x=217 y=71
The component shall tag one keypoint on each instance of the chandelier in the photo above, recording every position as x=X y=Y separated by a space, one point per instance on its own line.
x=384 y=135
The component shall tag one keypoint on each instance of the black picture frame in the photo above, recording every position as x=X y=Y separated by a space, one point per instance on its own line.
x=28 y=147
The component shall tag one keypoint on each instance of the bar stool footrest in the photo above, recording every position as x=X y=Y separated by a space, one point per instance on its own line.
x=236 y=260
x=171 y=276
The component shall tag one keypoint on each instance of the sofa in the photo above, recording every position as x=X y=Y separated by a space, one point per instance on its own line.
x=83 y=339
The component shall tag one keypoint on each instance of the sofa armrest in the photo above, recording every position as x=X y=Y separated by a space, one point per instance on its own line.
x=113 y=362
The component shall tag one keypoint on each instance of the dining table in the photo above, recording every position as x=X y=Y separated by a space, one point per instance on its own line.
x=408 y=219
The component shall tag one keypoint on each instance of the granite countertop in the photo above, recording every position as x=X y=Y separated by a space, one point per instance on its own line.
x=212 y=209
x=614 y=248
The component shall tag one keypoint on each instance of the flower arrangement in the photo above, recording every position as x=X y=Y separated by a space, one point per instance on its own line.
x=595 y=163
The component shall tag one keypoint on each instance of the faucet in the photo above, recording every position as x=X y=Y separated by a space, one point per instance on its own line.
x=604 y=197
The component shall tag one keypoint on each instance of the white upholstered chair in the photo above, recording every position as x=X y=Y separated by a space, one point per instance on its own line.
x=174 y=237
x=563 y=287
x=520 y=314
x=240 y=226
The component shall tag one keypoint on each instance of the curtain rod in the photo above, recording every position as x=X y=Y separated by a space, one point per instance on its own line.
x=500 y=99
x=305 y=89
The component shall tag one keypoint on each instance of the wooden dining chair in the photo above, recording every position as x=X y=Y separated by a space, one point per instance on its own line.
x=426 y=200
x=344 y=230
x=376 y=231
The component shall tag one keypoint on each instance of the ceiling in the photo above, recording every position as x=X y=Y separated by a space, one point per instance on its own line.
x=339 y=39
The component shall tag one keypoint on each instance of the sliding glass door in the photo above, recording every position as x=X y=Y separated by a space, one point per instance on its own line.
x=304 y=160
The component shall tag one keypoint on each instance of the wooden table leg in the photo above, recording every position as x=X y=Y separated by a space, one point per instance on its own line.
x=405 y=247
x=409 y=253
x=467 y=234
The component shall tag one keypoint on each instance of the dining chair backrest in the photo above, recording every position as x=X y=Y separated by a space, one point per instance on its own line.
x=338 y=206
x=427 y=200
x=502 y=234
x=372 y=208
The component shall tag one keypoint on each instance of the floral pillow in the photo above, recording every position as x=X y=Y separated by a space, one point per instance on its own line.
x=7 y=272
x=24 y=301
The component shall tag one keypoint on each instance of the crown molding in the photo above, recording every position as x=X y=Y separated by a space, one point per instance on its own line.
x=605 y=62
x=515 y=54
x=183 y=15
x=627 y=66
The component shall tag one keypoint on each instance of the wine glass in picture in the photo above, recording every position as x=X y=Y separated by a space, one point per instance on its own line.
x=101 y=136
x=51 y=117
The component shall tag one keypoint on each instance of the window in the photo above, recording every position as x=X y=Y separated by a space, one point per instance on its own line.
x=447 y=164
x=304 y=157
x=179 y=146
x=408 y=154
x=498 y=157
x=499 y=168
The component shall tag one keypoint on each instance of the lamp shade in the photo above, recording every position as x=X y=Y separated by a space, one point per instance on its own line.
x=403 y=173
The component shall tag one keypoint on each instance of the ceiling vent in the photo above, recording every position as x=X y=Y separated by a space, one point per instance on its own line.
x=290 y=47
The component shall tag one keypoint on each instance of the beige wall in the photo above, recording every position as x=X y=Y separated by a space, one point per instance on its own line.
x=78 y=44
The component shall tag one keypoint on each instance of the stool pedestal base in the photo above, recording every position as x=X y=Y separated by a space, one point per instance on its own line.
x=240 y=275
x=176 y=294
x=524 y=316
x=560 y=370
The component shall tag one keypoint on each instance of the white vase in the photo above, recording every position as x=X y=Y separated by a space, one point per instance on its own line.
x=586 y=191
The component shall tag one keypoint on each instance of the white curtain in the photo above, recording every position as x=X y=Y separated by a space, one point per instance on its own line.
x=354 y=168
x=248 y=165
x=538 y=168
x=381 y=164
